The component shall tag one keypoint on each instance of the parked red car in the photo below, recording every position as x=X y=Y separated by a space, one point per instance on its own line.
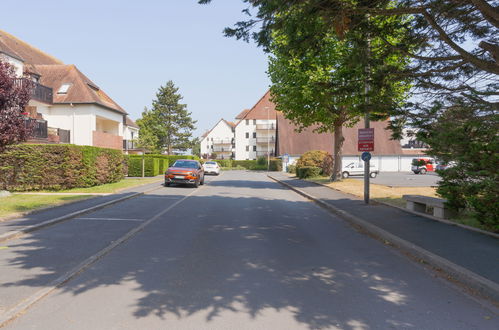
x=185 y=171
x=422 y=165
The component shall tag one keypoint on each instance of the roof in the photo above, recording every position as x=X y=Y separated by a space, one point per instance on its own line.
x=263 y=109
x=21 y=50
x=242 y=114
x=229 y=123
x=82 y=89
x=130 y=122
x=291 y=142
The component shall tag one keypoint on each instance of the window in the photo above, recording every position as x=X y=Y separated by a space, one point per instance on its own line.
x=63 y=89
x=254 y=135
x=247 y=148
x=247 y=135
x=254 y=121
x=247 y=122
x=254 y=148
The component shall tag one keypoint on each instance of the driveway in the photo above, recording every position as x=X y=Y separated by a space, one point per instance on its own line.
x=404 y=179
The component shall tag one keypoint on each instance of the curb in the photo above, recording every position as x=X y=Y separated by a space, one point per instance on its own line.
x=484 y=286
x=17 y=233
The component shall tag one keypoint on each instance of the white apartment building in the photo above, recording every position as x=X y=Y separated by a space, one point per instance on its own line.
x=219 y=141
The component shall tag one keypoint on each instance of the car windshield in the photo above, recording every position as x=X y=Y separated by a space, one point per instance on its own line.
x=185 y=164
x=211 y=163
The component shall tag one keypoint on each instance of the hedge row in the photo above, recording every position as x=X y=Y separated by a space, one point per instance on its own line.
x=307 y=171
x=254 y=165
x=59 y=166
x=153 y=164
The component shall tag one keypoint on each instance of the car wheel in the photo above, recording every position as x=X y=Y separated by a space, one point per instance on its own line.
x=423 y=171
x=196 y=184
x=373 y=175
x=344 y=175
x=202 y=181
x=167 y=184
x=416 y=172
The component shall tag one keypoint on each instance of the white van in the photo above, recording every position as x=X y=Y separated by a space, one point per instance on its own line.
x=357 y=168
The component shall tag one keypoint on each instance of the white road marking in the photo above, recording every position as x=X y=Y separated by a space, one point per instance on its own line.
x=111 y=219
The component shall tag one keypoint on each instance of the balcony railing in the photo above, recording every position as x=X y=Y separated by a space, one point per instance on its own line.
x=269 y=127
x=129 y=144
x=222 y=141
x=39 y=92
x=39 y=128
x=222 y=149
x=264 y=153
x=265 y=139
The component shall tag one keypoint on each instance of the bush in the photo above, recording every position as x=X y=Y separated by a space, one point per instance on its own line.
x=308 y=171
x=275 y=165
x=261 y=161
x=58 y=166
x=327 y=165
x=247 y=164
x=291 y=169
x=316 y=158
x=224 y=162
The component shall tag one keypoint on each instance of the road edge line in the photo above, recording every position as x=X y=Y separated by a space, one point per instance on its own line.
x=484 y=286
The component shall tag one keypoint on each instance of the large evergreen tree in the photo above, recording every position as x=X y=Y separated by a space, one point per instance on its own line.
x=167 y=126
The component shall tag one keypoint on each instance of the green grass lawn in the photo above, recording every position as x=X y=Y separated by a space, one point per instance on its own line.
x=15 y=203
x=110 y=187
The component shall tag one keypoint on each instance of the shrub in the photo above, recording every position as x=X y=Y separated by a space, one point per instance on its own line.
x=275 y=165
x=312 y=158
x=61 y=166
x=291 y=169
x=247 y=164
x=261 y=161
x=327 y=165
x=308 y=172
x=224 y=162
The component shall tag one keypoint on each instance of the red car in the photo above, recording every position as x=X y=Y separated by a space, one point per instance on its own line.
x=185 y=171
x=422 y=165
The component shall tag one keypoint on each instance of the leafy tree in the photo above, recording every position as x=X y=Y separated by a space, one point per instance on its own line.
x=168 y=125
x=14 y=96
x=196 y=147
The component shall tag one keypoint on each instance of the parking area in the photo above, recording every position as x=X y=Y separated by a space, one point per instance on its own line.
x=405 y=179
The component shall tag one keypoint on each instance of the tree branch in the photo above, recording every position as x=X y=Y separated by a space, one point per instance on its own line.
x=489 y=12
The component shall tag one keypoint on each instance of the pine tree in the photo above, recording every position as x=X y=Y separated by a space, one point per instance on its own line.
x=168 y=125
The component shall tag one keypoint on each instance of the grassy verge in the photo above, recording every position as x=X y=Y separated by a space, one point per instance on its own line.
x=391 y=195
x=110 y=187
x=15 y=204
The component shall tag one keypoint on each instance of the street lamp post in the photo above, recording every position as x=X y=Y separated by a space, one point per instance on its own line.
x=268 y=140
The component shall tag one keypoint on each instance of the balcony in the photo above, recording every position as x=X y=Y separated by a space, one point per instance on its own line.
x=129 y=144
x=264 y=153
x=39 y=92
x=107 y=140
x=265 y=139
x=39 y=128
x=59 y=135
x=222 y=141
x=215 y=149
x=265 y=127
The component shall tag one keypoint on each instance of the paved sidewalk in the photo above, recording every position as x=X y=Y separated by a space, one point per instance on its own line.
x=478 y=253
x=62 y=210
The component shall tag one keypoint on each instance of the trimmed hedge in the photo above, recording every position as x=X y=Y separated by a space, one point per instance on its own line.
x=58 y=166
x=307 y=171
x=154 y=164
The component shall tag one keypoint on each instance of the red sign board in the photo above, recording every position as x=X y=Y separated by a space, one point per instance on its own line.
x=366 y=139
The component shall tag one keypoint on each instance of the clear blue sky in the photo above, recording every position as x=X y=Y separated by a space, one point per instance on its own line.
x=130 y=48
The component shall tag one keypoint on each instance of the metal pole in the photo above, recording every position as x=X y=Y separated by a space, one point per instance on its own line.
x=366 y=117
x=268 y=141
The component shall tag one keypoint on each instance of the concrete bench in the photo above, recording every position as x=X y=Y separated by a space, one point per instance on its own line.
x=419 y=203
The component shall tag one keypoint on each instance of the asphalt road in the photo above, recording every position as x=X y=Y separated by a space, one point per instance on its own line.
x=241 y=252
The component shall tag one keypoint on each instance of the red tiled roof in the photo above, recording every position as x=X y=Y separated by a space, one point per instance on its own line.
x=82 y=89
x=263 y=109
x=130 y=122
x=24 y=51
x=294 y=143
x=242 y=114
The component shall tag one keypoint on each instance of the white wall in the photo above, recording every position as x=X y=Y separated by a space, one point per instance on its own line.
x=127 y=133
x=221 y=131
x=80 y=119
x=19 y=65
x=249 y=126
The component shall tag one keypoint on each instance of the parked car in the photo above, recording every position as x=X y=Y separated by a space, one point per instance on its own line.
x=185 y=171
x=422 y=165
x=357 y=168
x=211 y=167
x=443 y=166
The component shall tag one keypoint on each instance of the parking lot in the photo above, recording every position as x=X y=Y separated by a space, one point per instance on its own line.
x=404 y=179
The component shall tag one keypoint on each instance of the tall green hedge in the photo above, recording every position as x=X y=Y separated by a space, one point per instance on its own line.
x=155 y=164
x=58 y=166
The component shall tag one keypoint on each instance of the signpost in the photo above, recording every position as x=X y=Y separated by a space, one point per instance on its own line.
x=366 y=144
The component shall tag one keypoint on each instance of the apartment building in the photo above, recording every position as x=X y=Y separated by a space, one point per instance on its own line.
x=219 y=142
x=255 y=132
x=66 y=105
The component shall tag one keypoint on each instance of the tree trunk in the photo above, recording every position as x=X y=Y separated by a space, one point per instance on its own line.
x=337 y=150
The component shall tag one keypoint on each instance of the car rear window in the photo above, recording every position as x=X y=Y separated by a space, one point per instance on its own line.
x=211 y=163
x=185 y=164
